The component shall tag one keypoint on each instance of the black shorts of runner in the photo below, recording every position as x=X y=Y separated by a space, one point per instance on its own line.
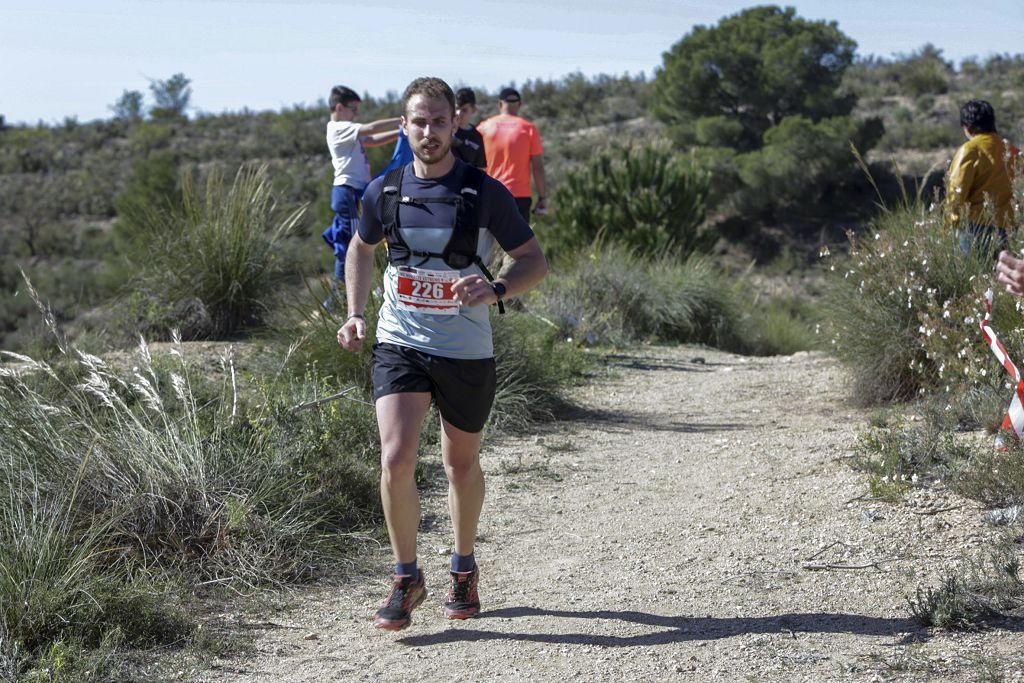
x=462 y=389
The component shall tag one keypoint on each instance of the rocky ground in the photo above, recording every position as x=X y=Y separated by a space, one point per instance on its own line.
x=695 y=519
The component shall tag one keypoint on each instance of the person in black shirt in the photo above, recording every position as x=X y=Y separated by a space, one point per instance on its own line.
x=467 y=144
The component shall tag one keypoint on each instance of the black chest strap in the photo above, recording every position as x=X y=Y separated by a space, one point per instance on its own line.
x=461 y=250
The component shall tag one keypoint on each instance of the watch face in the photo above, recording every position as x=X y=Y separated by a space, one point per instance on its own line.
x=498 y=288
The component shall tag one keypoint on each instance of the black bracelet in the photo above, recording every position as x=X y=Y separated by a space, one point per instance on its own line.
x=356 y=315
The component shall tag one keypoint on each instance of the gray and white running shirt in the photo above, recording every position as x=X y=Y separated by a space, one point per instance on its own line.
x=466 y=333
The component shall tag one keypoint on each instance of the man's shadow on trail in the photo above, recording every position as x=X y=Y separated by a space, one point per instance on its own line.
x=674 y=629
x=696 y=364
x=630 y=419
x=627 y=420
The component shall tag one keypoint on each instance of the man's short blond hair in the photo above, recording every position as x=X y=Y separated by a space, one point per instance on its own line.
x=428 y=86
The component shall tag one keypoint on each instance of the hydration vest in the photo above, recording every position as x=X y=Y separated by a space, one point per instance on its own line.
x=460 y=251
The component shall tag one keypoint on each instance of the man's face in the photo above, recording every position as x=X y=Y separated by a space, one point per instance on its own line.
x=463 y=114
x=509 y=107
x=428 y=124
x=349 y=111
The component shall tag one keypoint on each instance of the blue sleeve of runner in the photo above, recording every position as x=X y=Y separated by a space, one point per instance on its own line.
x=369 y=227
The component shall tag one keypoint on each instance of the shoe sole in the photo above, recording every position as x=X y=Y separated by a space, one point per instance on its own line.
x=396 y=624
x=465 y=613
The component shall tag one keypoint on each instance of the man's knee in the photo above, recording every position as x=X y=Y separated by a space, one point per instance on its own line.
x=397 y=462
x=463 y=471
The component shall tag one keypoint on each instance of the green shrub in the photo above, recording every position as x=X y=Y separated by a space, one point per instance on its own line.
x=153 y=188
x=718 y=131
x=213 y=267
x=66 y=595
x=924 y=72
x=611 y=295
x=983 y=588
x=904 y=310
x=780 y=327
x=994 y=478
x=534 y=364
x=908 y=453
x=801 y=160
x=331 y=450
x=645 y=198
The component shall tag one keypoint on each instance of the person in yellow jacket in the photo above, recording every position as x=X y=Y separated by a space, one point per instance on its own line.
x=979 y=186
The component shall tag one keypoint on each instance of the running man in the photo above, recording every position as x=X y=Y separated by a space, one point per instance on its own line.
x=433 y=332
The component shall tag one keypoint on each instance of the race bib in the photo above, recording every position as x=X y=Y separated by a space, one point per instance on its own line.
x=427 y=291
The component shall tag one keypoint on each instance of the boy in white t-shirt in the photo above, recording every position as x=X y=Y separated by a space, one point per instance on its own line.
x=346 y=140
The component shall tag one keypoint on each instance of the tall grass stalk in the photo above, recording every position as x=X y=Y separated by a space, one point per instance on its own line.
x=114 y=481
x=214 y=263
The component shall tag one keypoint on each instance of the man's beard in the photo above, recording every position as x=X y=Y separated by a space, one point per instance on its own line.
x=436 y=155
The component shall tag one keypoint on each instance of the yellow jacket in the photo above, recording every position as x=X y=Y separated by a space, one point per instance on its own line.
x=983 y=168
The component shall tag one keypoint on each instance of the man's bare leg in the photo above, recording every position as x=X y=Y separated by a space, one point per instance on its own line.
x=461 y=454
x=399 y=419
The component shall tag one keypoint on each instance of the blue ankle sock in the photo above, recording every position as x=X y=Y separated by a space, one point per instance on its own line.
x=406 y=569
x=463 y=563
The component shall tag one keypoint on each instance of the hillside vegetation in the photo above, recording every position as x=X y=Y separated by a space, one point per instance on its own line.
x=135 y=480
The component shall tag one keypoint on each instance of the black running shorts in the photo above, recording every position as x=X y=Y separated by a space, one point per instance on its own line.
x=462 y=389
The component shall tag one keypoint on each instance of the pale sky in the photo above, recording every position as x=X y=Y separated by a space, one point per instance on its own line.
x=73 y=59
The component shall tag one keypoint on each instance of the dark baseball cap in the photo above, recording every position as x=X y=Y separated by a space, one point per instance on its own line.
x=465 y=96
x=509 y=95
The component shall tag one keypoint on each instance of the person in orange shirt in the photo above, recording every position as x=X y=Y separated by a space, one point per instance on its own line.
x=514 y=151
x=979 y=185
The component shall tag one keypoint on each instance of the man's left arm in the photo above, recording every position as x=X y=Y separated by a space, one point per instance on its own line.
x=379 y=132
x=528 y=268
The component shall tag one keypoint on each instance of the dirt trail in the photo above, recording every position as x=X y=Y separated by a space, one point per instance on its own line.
x=662 y=533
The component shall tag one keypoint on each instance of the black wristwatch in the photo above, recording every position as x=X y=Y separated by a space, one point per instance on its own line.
x=499 y=291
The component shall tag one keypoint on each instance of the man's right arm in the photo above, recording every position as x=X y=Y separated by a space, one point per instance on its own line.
x=379 y=126
x=358 y=280
x=1010 y=271
x=539 y=181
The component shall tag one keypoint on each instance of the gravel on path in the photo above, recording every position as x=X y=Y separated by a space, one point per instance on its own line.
x=695 y=519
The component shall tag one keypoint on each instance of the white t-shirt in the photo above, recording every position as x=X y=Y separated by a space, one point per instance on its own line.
x=350 y=164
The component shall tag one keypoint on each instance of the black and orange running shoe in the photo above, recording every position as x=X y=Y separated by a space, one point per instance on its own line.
x=406 y=594
x=463 y=601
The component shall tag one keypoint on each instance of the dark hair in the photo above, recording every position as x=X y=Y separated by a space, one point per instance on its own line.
x=509 y=95
x=343 y=96
x=428 y=87
x=465 y=96
x=978 y=116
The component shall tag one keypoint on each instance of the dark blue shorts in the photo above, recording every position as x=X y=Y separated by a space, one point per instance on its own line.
x=462 y=389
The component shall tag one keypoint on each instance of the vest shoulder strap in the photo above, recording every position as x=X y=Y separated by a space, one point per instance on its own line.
x=387 y=203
